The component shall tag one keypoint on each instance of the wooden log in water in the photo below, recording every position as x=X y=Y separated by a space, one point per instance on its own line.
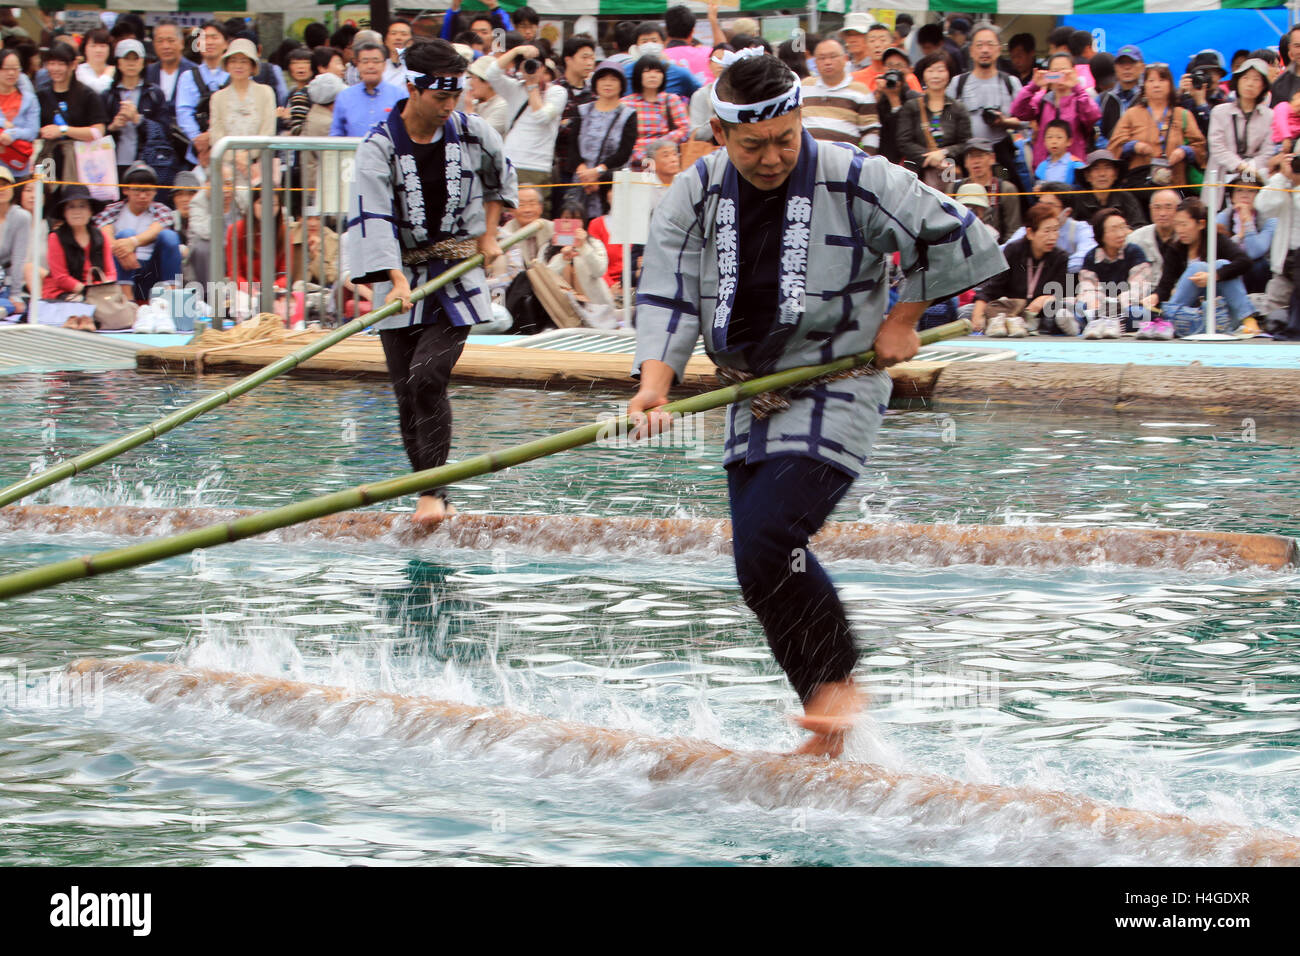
x=926 y=545
x=766 y=779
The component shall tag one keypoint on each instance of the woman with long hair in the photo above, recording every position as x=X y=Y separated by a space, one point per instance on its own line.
x=1185 y=274
x=140 y=117
x=77 y=253
x=933 y=129
x=20 y=115
x=659 y=113
x=1155 y=138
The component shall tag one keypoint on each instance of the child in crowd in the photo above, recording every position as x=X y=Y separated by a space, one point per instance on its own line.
x=1060 y=165
x=1286 y=123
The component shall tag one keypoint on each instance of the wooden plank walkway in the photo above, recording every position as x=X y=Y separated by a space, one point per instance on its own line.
x=363 y=357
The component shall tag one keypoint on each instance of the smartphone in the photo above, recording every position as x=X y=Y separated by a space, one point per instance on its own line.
x=1056 y=76
x=566 y=231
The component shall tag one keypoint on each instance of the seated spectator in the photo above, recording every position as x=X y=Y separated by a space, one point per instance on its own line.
x=933 y=129
x=523 y=254
x=1239 y=131
x=1057 y=94
x=1114 y=282
x=20 y=115
x=1075 y=238
x=1280 y=200
x=187 y=187
x=1002 y=213
x=976 y=198
x=147 y=251
x=1157 y=139
x=1254 y=234
x=1155 y=239
x=77 y=253
x=598 y=229
x=658 y=112
x=581 y=269
x=1060 y=165
x=1030 y=289
x=319 y=256
x=601 y=139
x=15 y=233
x=1101 y=174
x=1185 y=274
x=836 y=108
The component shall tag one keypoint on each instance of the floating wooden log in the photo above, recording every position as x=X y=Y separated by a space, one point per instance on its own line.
x=767 y=779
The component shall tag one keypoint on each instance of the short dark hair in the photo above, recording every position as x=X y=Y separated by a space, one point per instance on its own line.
x=794 y=59
x=1080 y=40
x=1036 y=216
x=877 y=26
x=930 y=60
x=743 y=41
x=394 y=22
x=63 y=53
x=1060 y=36
x=1163 y=71
x=218 y=26
x=435 y=57
x=97 y=36
x=1023 y=41
x=579 y=41
x=321 y=56
x=624 y=35
x=752 y=80
x=648 y=26
x=467 y=37
x=1103 y=67
x=1060 y=124
x=315 y=34
x=1098 y=221
x=1064 y=189
x=648 y=63
x=680 y=22
x=341 y=38
x=525 y=14
x=484 y=16
x=929 y=33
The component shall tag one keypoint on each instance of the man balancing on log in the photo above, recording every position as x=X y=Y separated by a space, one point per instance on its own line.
x=429 y=190
x=777 y=248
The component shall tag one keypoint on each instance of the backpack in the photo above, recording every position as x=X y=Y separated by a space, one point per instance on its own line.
x=961 y=85
x=203 y=108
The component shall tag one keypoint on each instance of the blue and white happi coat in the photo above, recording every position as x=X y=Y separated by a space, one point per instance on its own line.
x=386 y=214
x=846 y=213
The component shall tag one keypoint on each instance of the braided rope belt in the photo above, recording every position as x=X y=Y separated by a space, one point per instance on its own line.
x=769 y=403
x=449 y=250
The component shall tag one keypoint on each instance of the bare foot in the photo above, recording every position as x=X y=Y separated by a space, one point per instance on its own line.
x=431 y=509
x=830 y=714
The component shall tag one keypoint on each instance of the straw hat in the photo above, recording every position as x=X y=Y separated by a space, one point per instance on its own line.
x=973 y=194
x=242 y=47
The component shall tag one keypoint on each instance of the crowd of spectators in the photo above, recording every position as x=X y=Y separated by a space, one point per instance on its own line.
x=1085 y=165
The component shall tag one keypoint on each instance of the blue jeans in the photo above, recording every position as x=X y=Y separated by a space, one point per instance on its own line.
x=163 y=266
x=1186 y=293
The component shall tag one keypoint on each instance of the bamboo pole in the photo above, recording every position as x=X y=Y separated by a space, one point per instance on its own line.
x=147 y=433
x=106 y=562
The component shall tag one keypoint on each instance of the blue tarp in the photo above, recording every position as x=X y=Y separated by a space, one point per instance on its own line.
x=1173 y=37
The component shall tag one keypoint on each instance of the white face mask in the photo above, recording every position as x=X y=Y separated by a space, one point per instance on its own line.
x=650 y=49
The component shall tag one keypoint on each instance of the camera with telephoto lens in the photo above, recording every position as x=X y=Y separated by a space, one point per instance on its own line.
x=531 y=66
x=893 y=78
x=1200 y=79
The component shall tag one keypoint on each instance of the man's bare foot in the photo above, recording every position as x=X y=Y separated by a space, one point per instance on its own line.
x=431 y=509
x=830 y=714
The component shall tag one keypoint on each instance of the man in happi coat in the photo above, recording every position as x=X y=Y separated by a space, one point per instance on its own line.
x=430 y=186
x=777 y=249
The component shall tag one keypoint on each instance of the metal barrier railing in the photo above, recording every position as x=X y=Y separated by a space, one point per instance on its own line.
x=333 y=174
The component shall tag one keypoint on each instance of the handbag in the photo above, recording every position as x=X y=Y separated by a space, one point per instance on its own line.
x=113 y=311
x=17 y=155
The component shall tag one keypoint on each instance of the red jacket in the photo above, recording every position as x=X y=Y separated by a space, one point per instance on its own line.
x=60 y=281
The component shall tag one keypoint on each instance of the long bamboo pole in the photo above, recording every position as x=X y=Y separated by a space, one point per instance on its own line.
x=106 y=562
x=147 y=433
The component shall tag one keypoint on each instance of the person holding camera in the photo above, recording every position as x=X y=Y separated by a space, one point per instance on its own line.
x=1199 y=89
x=1156 y=139
x=534 y=107
x=933 y=129
x=1056 y=93
x=987 y=93
x=892 y=90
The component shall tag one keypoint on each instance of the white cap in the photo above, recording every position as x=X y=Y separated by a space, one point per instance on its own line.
x=129 y=45
x=857 y=23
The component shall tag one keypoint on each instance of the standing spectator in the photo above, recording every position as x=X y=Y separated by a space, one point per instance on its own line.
x=624 y=39
x=1156 y=238
x=1185 y=273
x=323 y=90
x=96 y=72
x=678 y=81
x=360 y=107
x=486 y=102
x=242 y=108
x=1240 y=144
x=139 y=114
x=1101 y=175
x=1114 y=281
x=1250 y=231
x=313 y=35
x=146 y=249
x=1059 y=166
x=535 y=107
x=891 y=93
x=701 y=106
x=302 y=71
x=396 y=39
x=933 y=129
x=20 y=115
x=1125 y=92
x=171 y=66
x=1287 y=83
x=682 y=47
x=1057 y=94
x=1002 y=212
x=495 y=18
x=577 y=59
x=1080 y=48
x=600 y=140
x=836 y=107
x=202 y=81
x=1030 y=289
x=658 y=113
x=1157 y=139
x=69 y=111
x=988 y=94
x=877 y=45
x=15 y=233
x=1022 y=52
x=854 y=34
x=956 y=44
x=527 y=23
x=1199 y=89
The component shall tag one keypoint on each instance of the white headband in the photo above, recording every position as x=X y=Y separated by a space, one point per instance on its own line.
x=757 y=112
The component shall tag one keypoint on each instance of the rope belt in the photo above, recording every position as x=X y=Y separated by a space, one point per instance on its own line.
x=769 y=403
x=449 y=250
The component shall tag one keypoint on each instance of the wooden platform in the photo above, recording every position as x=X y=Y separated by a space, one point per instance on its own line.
x=363 y=357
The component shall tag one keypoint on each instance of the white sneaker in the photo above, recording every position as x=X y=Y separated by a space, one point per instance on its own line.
x=997 y=327
x=1094 y=329
x=1110 y=329
x=145 y=319
x=163 y=322
x=1067 y=323
x=1016 y=327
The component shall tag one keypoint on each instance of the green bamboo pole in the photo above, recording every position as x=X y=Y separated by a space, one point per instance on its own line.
x=106 y=562
x=147 y=433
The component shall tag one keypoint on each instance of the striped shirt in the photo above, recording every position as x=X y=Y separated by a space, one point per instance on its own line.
x=844 y=113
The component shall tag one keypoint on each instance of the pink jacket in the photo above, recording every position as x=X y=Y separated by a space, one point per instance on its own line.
x=1285 y=124
x=1078 y=109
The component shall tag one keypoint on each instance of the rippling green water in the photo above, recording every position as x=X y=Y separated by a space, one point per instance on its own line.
x=1164 y=690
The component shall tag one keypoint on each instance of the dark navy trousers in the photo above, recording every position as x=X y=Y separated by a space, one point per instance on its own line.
x=776 y=506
